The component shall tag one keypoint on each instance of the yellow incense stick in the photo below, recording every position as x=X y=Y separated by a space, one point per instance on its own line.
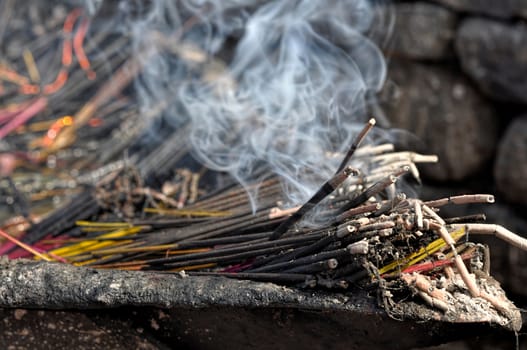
x=31 y=66
x=103 y=225
x=92 y=244
x=421 y=253
x=24 y=246
x=193 y=267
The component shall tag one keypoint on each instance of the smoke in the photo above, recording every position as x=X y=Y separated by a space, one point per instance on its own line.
x=277 y=84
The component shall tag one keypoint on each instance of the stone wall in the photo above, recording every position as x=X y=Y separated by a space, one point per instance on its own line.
x=457 y=79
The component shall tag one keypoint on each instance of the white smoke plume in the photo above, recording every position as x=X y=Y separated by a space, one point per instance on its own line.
x=293 y=86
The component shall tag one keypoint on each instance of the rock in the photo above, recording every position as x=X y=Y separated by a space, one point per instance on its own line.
x=510 y=168
x=422 y=31
x=442 y=109
x=204 y=312
x=500 y=9
x=495 y=55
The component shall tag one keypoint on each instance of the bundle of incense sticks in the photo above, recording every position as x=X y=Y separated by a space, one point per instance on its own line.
x=59 y=59
x=66 y=114
x=138 y=213
x=362 y=232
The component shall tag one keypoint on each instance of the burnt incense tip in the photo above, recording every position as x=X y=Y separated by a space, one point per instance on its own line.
x=360 y=247
x=332 y=263
x=372 y=121
x=403 y=170
x=284 y=226
x=341 y=176
x=401 y=196
x=345 y=230
x=349 y=171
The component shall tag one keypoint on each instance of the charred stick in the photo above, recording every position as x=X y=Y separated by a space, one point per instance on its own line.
x=236 y=226
x=214 y=228
x=238 y=249
x=134 y=254
x=356 y=144
x=315 y=267
x=224 y=259
x=158 y=224
x=376 y=226
x=326 y=189
x=347 y=269
x=182 y=265
x=234 y=198
x=360 y=239
x=475 y=218
x=84 y=212
x=268 y=225
x=223 y=240
x=261 y=261
x=82 y=206
x=390 y=204
x=464 y=199
x=374 y=190
x=333 y=254
x=140 y=247
x=299 y=252
x=356 y=276
x=363 y=209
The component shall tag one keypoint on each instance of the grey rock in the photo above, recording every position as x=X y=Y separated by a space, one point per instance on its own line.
x=442 y=109
x=510 y=168
x=500 y=9
x=422 y=31
x=494 y=54
x=210 y=312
